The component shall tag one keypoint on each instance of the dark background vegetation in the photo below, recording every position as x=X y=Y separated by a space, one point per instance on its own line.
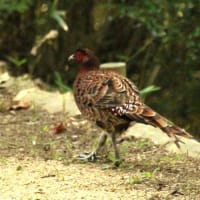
x=159 y=40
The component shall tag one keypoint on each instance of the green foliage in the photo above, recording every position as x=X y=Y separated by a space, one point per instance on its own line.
x=148 y=90
x=57 y=15
x=60 y=83
x=17 y=62
x=10 y=6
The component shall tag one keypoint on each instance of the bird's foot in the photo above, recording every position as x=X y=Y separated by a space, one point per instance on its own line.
x=88 y=156
x=177 y=142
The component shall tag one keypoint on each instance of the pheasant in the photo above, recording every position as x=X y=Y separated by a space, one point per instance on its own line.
x=112 y=101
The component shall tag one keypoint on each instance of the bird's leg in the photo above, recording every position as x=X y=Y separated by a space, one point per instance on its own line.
x=93 y=155
x=116 y=151
x=102 y=142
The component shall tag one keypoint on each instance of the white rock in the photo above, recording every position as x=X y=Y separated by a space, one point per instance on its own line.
x=4 y=77
x=191 y=147
x=53 y=102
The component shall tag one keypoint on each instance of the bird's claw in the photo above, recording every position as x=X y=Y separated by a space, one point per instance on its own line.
x=88 y=156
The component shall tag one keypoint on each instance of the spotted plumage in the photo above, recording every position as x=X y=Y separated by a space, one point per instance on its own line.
x=113 y=101
x=106 y=97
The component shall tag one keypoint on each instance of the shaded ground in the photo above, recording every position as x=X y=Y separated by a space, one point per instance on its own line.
x=37 y=163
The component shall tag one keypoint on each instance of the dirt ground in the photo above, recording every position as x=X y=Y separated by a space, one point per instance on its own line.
x=37 y=162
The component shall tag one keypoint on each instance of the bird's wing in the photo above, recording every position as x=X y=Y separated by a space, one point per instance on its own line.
x=113 y=93
x=116 y=91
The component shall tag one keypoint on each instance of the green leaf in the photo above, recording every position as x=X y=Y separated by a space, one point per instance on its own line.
x=149 y=89
x=57 y=16
x=59 y=83
x=16 y=61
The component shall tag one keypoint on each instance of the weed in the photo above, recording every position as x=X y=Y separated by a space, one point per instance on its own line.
x=60 y=83
x=17 y=62
x=140 y=178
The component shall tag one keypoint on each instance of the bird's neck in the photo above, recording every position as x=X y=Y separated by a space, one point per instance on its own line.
x=89 y=66
x=84 y=69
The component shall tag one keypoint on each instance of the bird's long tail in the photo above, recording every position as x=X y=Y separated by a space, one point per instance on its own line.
x=149 y=116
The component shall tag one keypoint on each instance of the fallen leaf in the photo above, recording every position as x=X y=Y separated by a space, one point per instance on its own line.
x=59 y=128
x=20 y=105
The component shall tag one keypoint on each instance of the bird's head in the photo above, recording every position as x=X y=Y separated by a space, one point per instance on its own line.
x=85 y=59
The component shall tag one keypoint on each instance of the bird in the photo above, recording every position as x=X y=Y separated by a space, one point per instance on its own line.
x=112 y=102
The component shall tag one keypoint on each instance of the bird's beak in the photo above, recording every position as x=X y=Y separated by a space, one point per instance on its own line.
x=71 y=57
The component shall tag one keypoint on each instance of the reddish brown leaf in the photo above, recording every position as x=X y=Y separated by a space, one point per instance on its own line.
x=59 y=128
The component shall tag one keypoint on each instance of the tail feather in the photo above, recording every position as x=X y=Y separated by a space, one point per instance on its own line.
x=163 y=123
x=153 y=118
